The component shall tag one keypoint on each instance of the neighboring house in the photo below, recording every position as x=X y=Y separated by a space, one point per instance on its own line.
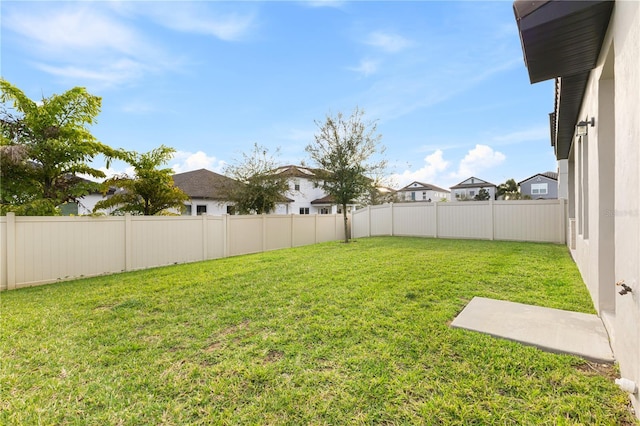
x=305 y=196
x=591 y=50
x=207 y=192
x=469 y=188
x=540 y=186
x=418 y=191
x=84 y=205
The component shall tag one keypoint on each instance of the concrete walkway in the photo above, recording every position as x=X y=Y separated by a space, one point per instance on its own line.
x=552 y=330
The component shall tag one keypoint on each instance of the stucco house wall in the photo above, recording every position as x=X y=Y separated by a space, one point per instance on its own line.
x=469 y=188
x=200 y=206
x=603 y=165
x=418 y=191
x=551 y=188
x=302 y=198
x=604 y=168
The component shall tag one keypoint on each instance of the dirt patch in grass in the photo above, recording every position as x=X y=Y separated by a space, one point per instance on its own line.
x=594 y=368
x=235 y=328
x=273 y=356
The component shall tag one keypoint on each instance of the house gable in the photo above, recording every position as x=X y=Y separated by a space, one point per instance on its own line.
x=204 y=184
x=473 y=182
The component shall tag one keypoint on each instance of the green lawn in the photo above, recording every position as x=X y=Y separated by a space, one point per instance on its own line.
x=328 y=334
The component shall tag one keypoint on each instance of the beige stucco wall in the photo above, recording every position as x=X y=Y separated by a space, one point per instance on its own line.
x=608 y=248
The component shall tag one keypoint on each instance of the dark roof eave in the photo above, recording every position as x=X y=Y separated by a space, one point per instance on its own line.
x=562 y=39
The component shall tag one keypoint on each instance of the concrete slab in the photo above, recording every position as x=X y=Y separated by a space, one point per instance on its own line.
x=552 y=330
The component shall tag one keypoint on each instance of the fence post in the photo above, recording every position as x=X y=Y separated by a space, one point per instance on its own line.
x=437 y=207
x=563 y=220
x=369 y=224
x=11 y=251
x=264 y=232
x=128 y=242
x=205 y=236
x=292 y=224
x=225 y=235
x=493 y=219
x=392 y=220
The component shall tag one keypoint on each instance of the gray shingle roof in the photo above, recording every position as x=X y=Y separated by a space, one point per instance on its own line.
x=423 y=186
x=203 y=183
x=478 y=184
x=550 y=175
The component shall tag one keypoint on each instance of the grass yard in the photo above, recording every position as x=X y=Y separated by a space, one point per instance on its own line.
x=326 y=334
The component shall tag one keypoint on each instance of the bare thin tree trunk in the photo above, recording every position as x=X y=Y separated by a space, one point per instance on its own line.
x=346 y=223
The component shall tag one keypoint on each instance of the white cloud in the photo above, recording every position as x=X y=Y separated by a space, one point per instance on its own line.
x=184 y=161
x=480 y=158
x=527 y=135
x=112 y=74
x=86 y=44
x=64 y=30
x=324 y=3
x=366 y=67
x=434 y=166
x=138 y=107
x=199 y=18
x=388 y=42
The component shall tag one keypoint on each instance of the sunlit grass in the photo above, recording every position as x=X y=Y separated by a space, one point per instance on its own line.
x=328 y=334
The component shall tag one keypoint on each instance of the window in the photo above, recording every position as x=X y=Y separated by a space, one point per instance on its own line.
x=201 y=210
x=413 y=196
x=296 y=185
x=324 y=210
x=187 y=210
x=231 y=209
x=424 y=195
x=472 y=193
x=539 y=188
x=304 y=210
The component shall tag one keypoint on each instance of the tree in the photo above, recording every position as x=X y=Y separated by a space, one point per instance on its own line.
x=343 y=151
x=482 y=195
x=259 y=186
x=44 y=146
x=150 y=191
x=509 y=190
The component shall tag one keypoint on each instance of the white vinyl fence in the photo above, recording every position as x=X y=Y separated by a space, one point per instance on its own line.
x=39 y=250
x=532 y=220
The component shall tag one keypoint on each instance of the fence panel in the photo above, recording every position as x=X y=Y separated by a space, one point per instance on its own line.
x=360 y=223
x=244 y=234
x=380 y=220
x=39 y=250
x=3 y=257
x=164 y=240
x=414 y=219
x=533 y=220
x=304 y=230
x=278 y=232
x=470 y=219
x=329 y=228
x=48 y=249
x=529 y=221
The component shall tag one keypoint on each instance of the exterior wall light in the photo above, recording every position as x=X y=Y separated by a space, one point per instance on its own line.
x=582 y=128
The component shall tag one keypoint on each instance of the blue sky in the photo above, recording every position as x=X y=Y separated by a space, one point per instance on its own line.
x=445 y=80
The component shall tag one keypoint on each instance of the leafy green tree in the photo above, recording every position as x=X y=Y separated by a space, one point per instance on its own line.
x=150 y=191
x=44 y=146
x=482 y=195
x=509 y=190
x=344 y=151
x=260 y=188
